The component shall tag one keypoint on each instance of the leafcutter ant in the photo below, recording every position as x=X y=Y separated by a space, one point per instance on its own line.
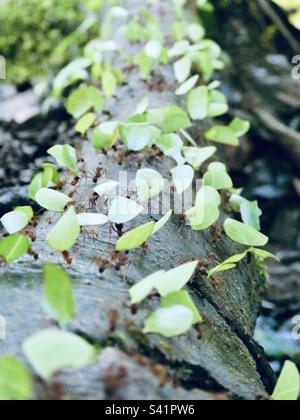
x=67 y=258
x=218 y=281
x=103 y=264
x=33 y=254
x=113 y=316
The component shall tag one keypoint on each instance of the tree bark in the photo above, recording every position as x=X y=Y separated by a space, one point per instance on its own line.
x=225 y=359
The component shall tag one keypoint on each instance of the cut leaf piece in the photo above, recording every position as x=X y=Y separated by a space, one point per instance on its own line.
x=288 y=385
x=239 y=127
x=197 y=156
x=83 y=99
x=198 y=102
x=109 y=83
x=203 y=216
x=153 y=49
x=14 y=221
x=187 y=86
x=162 y=222
x=170 y=145
x=135 y=238
x=149 y=184
x=52 y=350
x=92 y=219
x=174 y=119
x=222 y=134
x=218 y=104
x=142 y=289
x=105 y=135
x=65 y=233
x=183 y=177
x=176 y=279
x=66 y=157
x=106 y=187
x=182 y=69
x=13 y=247
x=46 y=179
x=85 y=123
x=137 y=136
x=26 y=210
x=261 y=253
x=15 y=380
x=244 y=234
x=123 y=210
x=52 y=200
x=228 y=264
x=170 y=322
x=217 y=177
x=59 y=297
x=181 y=298
x=208 y=195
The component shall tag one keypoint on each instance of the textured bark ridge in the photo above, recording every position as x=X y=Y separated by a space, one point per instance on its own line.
x=226 y=358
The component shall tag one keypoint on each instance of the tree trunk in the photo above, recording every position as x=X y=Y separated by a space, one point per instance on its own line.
x=225 y=359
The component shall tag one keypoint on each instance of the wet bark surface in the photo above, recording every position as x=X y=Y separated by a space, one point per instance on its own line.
x=225 y=359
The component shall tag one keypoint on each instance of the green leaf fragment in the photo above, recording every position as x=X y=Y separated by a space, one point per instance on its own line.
x=288 y=385
x=142 y=289
x=66 y=157
x=223 y=135
x=244 y=234
x=162 y=222
x=123 y=210
x=65 y=233
x=14 y=247
x=83 y=99
x=105 y=135
x=197 y=156
x=135 y=238
x=85 y=122
x=137 y=136
x=174 y=280
x=183 y=298
x=15 y=380
x=52 y=200
x=149 y=184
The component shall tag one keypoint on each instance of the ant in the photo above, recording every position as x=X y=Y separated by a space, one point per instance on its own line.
x=113 y=316
x=72 y=193
x=215 y=233
x=98 y=174
x=249 y=258
x=93 y=199
x=49 y=220
x=119 y=259
x=70 y=204
x=218 y=281
x=67 y=258
x=103 y=264
x=2 y=261
x=200 y=331
x=121 y=156
x=33 y=254
x=30 y=232
x=203 y=267
x=119 y=229
x=134 y=309
x=75 y=181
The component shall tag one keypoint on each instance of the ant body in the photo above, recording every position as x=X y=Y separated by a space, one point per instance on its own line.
x=113 y=316
x=67 y=258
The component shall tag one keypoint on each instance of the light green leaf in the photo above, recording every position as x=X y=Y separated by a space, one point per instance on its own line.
x=92 y=219
x=170 y=145
x=135 y=238
x=228 y=264
x=149 y=184
x=85 y=122
x=183 y=177
x=123 y=210
x=59 y=297
x=109 y=83
x=174 y=280
x=181 y=298
x=239 y=127
x=162 y=222
x=218 y=104
x=195 y=32
x=288 y=385
x=260 y=253
x=106 y=187
x=174 y=119
x=217 y=177
x=52 y=350
x=197 y=156
x=153 y=49
x=203 y=216
x=105 y=135
x=15 y=380
x=65 y=233
x=251 y=213
x=169 y=322
x=244 y=234
x=65 y=156
x=142 y=289
x=222 y=134
x=198 y=102
x=26 y=210
x=187 y=86
x=137 y=136
x=48 y=178
x=13 y=247
x=52 y=200
x=208 y=195
x=14 y=221
x=83 y=99
x=182 y=69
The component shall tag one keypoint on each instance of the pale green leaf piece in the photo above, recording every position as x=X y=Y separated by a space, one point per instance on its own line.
x=182 y=69
x=13 y=247
x=136 y=237
x=228 y=264
x=46 y=179
x=123 y=210
x=244 y=234
x=137 y=136
x=182 y=297
x=52 y=200
x=217 y=177
x=109 y=83
x=208 y=194
x=149 y=184
x=52 y=350
x=106 y=187
x=202 y=216
x=142 y=289
x=183 y=177
x=249 y=210
x=170 y=322
x=288 y=385
x=223 y=135
x=261 y=253
x=239 y=127
x=218 y=104
x=83 y=100
x=153 y=49
x=174 y=280
x=15 y=380
x=92 y=219
x=14 y=221
x=26 y=210
x=85 y=122
x=196 y=156
x=187 y=86
x=195 y=32
x=162 y=222
x=105 y=135
x=58 y=293
x=171 y=145
x=65 y=156
x=65 y=233
x=174 y=119
x=198 y=103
